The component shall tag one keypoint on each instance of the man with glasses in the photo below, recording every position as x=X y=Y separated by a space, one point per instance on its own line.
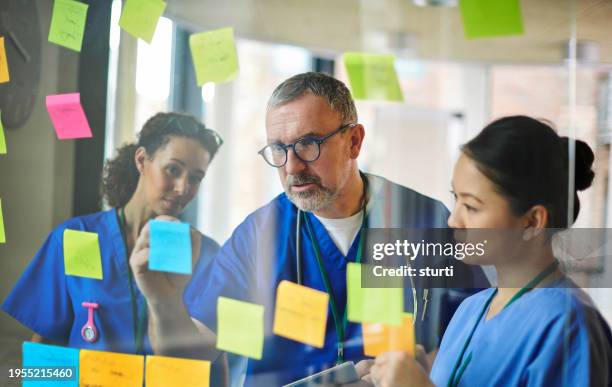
x=305 y=235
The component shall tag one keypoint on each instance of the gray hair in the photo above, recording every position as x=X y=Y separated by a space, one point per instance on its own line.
x=334 y=91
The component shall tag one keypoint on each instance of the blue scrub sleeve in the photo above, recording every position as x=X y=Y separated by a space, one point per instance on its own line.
x=40 y=299
x=573 y=353
x=228 y=275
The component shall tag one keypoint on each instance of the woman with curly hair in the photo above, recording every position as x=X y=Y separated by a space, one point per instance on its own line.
x=153 y=178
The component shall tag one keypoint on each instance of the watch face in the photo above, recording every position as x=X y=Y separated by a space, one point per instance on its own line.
x=20 y=27
x=89 y=333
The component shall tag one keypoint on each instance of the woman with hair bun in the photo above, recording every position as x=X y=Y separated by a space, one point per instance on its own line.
x=154 y=178
x=537 y=328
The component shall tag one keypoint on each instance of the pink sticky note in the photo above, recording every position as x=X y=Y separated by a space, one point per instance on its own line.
x=68 y=116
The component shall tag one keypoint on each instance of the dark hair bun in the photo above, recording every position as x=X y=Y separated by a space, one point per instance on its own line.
x=584 y=162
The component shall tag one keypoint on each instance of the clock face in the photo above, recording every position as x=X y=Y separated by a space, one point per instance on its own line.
x=20 y=27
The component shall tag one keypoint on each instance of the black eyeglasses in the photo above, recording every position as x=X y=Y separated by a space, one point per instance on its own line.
x=307 y=149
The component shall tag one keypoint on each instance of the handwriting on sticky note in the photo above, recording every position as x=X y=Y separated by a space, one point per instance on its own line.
x=108 y=369
x=140 y=17
x=380 y=338
x=68 y=116
x=170 y=244
x=82 y=254
x=301 y=313
x=44 y=355
x=2 y=234
x=68 y=24
x=2 y=138
x=4 y=70
x=372 y=305
x=372 y=76
x=164 y=371
x=214 y=56
x=484 y=18
x=240 y=327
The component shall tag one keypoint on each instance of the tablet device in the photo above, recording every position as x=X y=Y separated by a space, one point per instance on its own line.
x=341 y=374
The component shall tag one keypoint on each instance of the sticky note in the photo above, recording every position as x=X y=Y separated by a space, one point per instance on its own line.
x=380 y=338
x=301 y=313
x=108 y=369
x=82 y=254
x=2 y=235
x=43 y=355
x=240 y=327
x=164 y=371
x=2 y=138
x=487 y=18
x=372 y=305
x=140 y=17
x=68 y=116
x=214 y=55
x=170 y=245
x=68 y=24
x=372 y=76
x=4 y=71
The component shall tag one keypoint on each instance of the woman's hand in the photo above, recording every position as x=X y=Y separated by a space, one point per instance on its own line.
x=398 y=369
x=158 y=286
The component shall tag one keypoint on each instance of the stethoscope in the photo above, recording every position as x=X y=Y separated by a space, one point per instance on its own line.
x=339 y=323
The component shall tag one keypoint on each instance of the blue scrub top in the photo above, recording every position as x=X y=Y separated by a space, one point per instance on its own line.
x=549 y=337
x=49 y=302
x=261 y=253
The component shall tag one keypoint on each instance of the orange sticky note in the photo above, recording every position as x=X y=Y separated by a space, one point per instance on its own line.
x=164 y=371
x=380 y=338
x=108 y=369
x=301 y=313
x=4 y=73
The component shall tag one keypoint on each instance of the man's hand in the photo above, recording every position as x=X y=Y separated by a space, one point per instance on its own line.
x=159 y=286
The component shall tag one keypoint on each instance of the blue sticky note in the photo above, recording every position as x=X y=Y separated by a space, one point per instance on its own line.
x=170 y=245
x=51 y=358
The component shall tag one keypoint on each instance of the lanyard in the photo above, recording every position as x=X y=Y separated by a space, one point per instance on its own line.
x=137 y=318
x=460 y=365
x=340 y=325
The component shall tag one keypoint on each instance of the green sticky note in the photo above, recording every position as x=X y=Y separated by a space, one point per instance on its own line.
x=487 y=18
x=2 y=138
x=140 y=17
x=373 y=76
x=82 y=254
x=2 y=235
x=240 y=327
x=372 y=305
x=68 y=24
x=214 y=56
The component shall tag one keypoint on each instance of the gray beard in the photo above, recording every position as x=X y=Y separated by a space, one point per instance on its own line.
x=312 y=201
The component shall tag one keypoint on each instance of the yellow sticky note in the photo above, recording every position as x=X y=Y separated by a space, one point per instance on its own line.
x=240 y=327
x=164 y=371
x=301 y=313
x=214 y=55
x=372 y=305
x=82 y=254
x=4 y=71
x=2 y=138
x=68 y=24
x=372 y=76
x=2 y=235
x=108 y=369
x=140 y=17
x=380 y=338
